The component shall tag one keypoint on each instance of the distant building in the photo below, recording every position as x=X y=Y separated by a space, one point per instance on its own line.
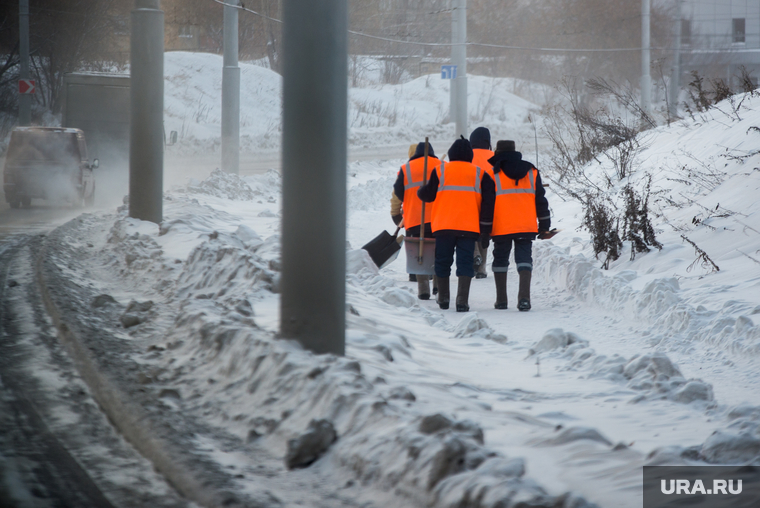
x=719 y=36
x=186 y=28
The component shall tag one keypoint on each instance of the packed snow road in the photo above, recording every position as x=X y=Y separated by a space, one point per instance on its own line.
x=56 y=447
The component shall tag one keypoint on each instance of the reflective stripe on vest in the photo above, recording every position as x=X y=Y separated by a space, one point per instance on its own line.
x=515 y=207
x=410 y=183
x=531 y=190
x=443 y=187
x=412 y=206
x=457 y=206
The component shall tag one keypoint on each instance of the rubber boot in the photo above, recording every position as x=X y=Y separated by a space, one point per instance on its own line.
x=423 y=287
x=435 y=284
x=501 y=290
x=463 y=294
x=523 y=293
x=443 y=292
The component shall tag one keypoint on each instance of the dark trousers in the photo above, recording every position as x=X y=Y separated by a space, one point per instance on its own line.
x=445 y=246
x=483 y=253
x=502 y=246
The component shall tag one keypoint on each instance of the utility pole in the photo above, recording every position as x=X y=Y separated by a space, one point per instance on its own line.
x=454 y=56
x=231 y=91
x=675 y=79
x=24 y=100
x=146 y=136
x=315 y=102
x=458 y=98
x=646 y=79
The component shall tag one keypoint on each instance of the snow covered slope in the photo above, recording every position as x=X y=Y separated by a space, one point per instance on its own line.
x=378 y=114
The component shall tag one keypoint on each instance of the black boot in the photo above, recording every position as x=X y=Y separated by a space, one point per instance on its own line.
x=443 y=292
x=523 y=293
x=501 y=290
x=412 y=277
x=463 y=294
x=423 y=288
x=435 y=284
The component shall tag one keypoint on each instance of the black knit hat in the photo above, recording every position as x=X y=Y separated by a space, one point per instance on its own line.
x=420 y=152
x=461 y=150
x=505 y=145
x=481 y=138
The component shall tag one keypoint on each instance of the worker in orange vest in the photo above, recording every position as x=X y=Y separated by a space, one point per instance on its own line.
x=480 y=140
x=407 y=206
x=455 y=191
x=520 y=213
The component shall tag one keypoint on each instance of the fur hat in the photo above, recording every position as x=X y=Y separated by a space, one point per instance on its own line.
x=505 y=145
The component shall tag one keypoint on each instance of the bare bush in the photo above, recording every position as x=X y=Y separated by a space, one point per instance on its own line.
x=637 y=226
x=702 y=258
x=599 y=219
x=581 y=133
x=745 y=81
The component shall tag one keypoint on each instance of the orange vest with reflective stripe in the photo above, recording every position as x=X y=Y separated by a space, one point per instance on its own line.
x=412 y=181
x=457 y=203
x=515 y=206
x=480 y=158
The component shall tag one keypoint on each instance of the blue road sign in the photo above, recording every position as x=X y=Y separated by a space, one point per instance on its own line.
x=448 y=71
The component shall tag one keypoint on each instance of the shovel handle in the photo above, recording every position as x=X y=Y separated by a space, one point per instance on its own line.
x=422 y=219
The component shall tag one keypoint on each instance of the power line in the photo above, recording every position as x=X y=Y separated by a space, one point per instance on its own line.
x=483 y=45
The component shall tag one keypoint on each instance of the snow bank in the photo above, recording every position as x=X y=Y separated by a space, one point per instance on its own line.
x=274 y=392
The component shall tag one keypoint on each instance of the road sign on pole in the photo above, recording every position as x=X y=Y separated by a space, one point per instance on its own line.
x=26 y=86
x=448 y=71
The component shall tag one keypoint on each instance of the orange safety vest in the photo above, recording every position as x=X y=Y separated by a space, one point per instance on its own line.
x=412 y=181
x=480 y=158
x=457 y=203
x=515 y=206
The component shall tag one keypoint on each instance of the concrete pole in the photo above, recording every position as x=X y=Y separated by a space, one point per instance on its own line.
x=675 y=78
x=461 y=86
x=24 y=100
x=454 y=56
x=315 y=95
x=146 y=136
x=646 y=79
x=231 y=91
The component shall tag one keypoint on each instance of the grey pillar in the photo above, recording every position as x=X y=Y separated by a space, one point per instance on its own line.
x=315 y=94
x=454 y=56
x=146 y=136
x=231 y=91
x=675 y=78
x=24 y=100
x=461 y=86
x=646 y=79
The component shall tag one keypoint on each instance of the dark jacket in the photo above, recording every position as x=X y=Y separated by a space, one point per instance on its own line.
x=512 y=166
x=462 y=151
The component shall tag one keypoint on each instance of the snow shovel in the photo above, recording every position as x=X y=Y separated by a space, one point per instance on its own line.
x=548 y=234
x=424 y=262
x=384 y=248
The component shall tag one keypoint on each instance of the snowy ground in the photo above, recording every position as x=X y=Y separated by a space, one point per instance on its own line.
x=653 y=361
